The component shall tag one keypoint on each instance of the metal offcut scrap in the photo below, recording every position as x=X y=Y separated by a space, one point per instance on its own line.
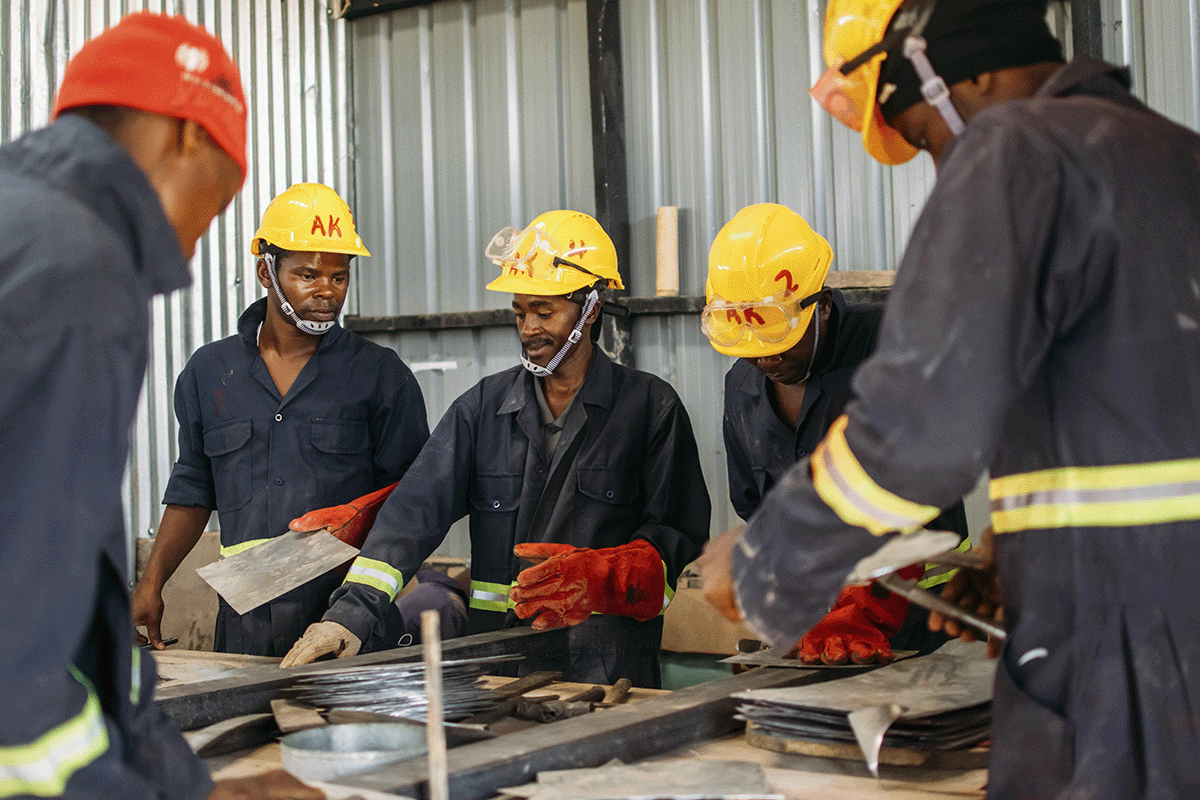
x=398 y=690
x=674 y=779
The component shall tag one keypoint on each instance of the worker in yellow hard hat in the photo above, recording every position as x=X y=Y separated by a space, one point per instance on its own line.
x=291 y=412
x=798 y=344
x=1045 y=327
x=586 y=468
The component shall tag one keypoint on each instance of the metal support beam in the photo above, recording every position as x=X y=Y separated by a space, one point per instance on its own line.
x=607 y=83
x=251 y=689
x=639 y=731
x=866 y=286
x=1087 y=28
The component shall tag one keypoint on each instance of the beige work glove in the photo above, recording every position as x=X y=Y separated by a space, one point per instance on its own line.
x=319 y=639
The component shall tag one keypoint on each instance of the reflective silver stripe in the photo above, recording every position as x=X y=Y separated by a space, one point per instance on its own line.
x=889 y=520
x=43 y=766
x=479 y=594
x=1060 y=497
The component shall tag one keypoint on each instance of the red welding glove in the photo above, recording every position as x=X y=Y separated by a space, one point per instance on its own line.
x=349 y=522
x=859 y=626
x=573 y=582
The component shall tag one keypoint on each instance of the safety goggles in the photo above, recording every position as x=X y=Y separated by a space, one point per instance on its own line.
x=516 y=250
x=771 y=320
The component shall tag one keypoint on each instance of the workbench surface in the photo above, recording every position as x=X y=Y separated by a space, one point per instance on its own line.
x=797 y=777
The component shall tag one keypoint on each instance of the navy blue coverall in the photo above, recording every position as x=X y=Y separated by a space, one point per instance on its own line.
x=626 y=467
x=352 y=423
x=1045 y=325
x=84 y=245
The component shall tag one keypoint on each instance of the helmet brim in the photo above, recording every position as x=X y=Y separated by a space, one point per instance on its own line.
x=523 y=284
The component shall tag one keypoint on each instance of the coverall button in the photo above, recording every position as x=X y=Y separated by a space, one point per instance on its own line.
x=279 y=417
x=608 y=494
x=495 y=504
x=540 y=468
x=279 y=481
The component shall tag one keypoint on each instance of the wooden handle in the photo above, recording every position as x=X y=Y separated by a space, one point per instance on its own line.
x=667 y=263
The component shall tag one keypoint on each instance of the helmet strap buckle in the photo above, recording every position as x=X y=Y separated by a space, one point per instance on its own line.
x=933 y=87
x=311 y=328
x=572 y=338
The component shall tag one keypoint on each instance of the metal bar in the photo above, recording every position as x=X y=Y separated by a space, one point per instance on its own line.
x=869 y=286
x=1194 y=26
x=357 y=9
x=607 y=86
x=638 y=731
x=933 y=602
x=1087 y=28
x=251 y=689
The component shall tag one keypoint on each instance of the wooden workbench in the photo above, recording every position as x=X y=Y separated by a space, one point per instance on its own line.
x=797 y=777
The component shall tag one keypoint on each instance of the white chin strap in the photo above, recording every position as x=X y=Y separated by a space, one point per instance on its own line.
x=314 y=328
x=933 y=88
x=576 y=334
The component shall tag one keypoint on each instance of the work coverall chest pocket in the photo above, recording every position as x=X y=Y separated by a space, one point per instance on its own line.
x=496 y=493
x=340 y=436
x=228 y=451
x=608 y=485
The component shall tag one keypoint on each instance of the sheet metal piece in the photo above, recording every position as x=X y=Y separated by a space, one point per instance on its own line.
x=673 y=779
x=869 y=725
x=262 y=573
x=957 y=675
x=917 y=547
x=399 y=690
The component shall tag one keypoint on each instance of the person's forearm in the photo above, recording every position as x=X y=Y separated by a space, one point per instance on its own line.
x=178 y=533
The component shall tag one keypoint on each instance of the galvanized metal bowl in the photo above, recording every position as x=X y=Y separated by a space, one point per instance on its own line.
x=319 y=754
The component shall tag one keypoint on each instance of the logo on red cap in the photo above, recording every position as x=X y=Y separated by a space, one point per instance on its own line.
x=191 y=57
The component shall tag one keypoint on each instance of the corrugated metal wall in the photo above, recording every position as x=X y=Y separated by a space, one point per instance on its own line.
x=469 y=115
x=294 y=66
x=474 y=115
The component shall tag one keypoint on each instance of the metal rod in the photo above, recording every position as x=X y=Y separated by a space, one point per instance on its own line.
x=927 y=599
x=431 y=641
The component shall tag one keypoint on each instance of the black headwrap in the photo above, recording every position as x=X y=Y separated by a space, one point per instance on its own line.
x=966 y=38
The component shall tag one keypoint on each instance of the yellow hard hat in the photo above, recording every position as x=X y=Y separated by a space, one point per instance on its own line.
x=310 y=217
x=560 y=252
x=765 y=270
x=852 y=27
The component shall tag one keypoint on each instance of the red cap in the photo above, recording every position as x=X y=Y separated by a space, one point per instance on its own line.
x=164 y=65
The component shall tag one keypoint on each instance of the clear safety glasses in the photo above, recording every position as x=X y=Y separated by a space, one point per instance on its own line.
x=515 y=250
x=772 y=320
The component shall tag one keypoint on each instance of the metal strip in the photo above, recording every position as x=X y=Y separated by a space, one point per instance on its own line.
x=428 y=183
x=607 y=87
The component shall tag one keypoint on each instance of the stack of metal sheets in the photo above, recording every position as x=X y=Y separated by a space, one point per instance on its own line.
x=942 y=701
x=398 y=690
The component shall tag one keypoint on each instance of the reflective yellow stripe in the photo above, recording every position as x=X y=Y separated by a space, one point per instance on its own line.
x=377 y=575
x=487 y=596
x=668 y=592
x=847 y=489
x=1126 y=494
x=43 y=767
x=937 y=574
x=234 y=549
